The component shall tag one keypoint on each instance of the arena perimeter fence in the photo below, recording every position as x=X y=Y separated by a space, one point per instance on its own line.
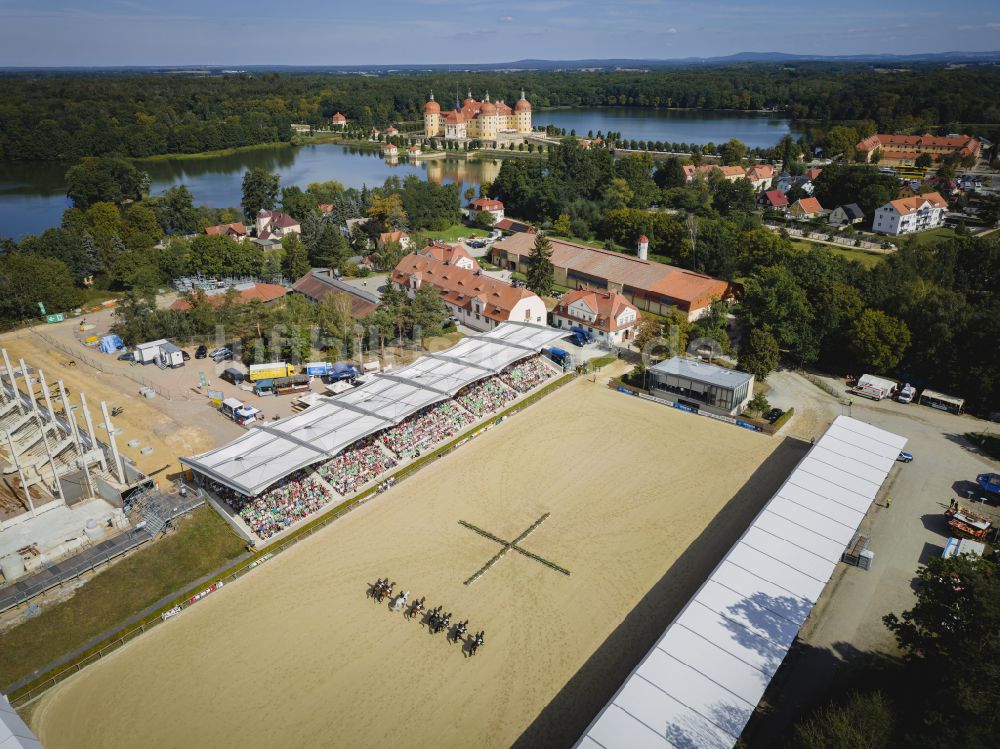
x=32 y=691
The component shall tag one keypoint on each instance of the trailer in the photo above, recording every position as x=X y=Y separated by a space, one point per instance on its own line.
x=170 y=356
x=876 y=388
x=146 y=353
x=291 y=384
x=318 y=368
x=957 y=546
x=965 y=523
x=270 y=371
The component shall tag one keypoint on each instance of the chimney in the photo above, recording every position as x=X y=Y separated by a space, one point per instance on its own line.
x=643 y=247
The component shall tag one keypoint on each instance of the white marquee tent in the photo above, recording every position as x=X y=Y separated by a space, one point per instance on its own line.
x=271 y=451
x=14 y=733
x=701 y=682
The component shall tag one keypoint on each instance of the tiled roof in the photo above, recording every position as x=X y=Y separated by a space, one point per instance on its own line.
x=448 y=253
x=809 y=205
x=906 y=206
x=235 y=228
x=813 y=173
x=760 y=171
x=776 y=198
x=506 y=224
x=278 y=219
x=485 y=204
x=392 y=236
x=320 y=283
x=686 y=289
x=607 y=306
x=459 y=286
x=265 y=292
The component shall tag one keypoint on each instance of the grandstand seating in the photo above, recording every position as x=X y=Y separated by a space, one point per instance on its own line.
x=289 y=500
x=425 y=428
x=527 y=375
x=357 y=465
x=485 y=396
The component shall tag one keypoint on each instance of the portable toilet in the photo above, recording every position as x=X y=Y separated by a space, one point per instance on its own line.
x=170 y=355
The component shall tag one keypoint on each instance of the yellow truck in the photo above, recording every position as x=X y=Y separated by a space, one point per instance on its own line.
x=271 y=371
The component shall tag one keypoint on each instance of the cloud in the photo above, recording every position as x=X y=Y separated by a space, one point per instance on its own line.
x=980 y=27
x=506 y=19
x=671 y=30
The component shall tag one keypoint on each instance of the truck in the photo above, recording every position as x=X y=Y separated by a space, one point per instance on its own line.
x=270 y=371
x=559 y=356
x=238 y=411
x=581 y=336
x=876 y=388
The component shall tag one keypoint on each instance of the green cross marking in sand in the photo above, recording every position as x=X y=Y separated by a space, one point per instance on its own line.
x=508 y=545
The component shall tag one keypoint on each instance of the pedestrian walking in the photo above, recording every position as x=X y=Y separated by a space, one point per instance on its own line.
x=888 y=502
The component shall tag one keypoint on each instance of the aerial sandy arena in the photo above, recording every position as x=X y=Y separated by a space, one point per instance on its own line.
x=295 y=654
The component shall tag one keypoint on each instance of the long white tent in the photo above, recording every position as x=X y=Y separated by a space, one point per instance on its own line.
x=701 y=682
x=14 y=733
x=271 y=451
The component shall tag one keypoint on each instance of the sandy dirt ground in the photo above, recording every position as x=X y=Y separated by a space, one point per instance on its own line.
x=295 y=654
x=170 y=428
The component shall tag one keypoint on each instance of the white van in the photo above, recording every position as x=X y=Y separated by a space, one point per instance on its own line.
x=906 y=393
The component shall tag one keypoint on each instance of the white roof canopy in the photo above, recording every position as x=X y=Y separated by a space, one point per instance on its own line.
x=14 y=733
x=269 y=452
x=701 y=682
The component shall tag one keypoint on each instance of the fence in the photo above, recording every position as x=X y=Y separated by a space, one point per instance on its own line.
x=20 y=697
x=78 y=354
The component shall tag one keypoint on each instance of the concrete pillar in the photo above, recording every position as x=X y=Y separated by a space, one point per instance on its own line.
x=10 y=377
x=29 y=387
x=20 y=474
x=75 y=431
x=48 y=399
x=90 y=428
x=57 y=489
x=119 y=468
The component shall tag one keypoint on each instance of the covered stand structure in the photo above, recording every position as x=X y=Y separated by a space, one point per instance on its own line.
x=270 y=452
x=702 y=680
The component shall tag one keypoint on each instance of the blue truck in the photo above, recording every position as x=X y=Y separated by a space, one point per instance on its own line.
x=581 y=336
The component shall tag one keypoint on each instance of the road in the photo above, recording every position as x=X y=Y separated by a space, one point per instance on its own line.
x=847 y=619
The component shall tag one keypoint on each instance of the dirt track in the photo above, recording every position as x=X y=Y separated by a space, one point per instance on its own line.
x=294 y=655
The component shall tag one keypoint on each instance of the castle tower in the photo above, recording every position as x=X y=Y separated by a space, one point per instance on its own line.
x=522 y=114
x=643 y=247
x=432 y=118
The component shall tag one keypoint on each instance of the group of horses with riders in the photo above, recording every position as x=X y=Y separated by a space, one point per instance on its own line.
x=436 y=619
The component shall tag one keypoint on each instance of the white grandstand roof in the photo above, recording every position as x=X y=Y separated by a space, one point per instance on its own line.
x=701 y=682
x=271 y=451
x=14 y=733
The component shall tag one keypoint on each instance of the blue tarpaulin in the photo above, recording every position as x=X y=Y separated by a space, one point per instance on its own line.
x=341 y=371
x=110 y=343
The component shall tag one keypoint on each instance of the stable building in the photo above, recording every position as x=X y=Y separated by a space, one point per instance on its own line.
x=701 y=386
x=650 y=286
x=321 y=283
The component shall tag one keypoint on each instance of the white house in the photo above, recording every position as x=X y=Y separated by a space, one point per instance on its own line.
x=607 y=314
x=473 y=299
x=486 y=205
x=909 y=215
x=273 y=225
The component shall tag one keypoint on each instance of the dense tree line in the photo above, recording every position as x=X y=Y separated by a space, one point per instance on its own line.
x=68 y=117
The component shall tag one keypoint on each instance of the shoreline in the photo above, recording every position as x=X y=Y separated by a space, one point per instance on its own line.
x=209 y=154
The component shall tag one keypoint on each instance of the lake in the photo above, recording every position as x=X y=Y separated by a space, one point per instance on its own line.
x=757 y=130
x=33 y=195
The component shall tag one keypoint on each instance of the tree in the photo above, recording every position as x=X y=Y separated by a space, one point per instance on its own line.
x=647 y=331
x=388 y=255
x=561 y=225
x=485 y=220
x=388 y=211
x=295 y=260
x=878 y=340
x=840 y=141
x=670 y=173
x=758 y=404
x=427 y=312
x=296 y=203
x=733 y=151
x=26 y=280
x=176 y=210
x=774 y=302
x=260 y=192
x=758 y=354
x=924 y=160
x=110 y=179
x=540 y=269
x=865 y=721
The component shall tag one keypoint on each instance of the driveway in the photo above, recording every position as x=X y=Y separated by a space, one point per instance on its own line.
x=847 y=620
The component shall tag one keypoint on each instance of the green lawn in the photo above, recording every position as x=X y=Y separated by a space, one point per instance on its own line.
x=928 y=237
x=201 y=543
x=456 y=232
x=867 y=259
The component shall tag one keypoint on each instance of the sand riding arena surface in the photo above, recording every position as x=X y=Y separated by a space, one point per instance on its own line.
x=295 y=655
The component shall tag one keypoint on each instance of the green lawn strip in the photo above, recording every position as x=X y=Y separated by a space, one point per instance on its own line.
x=456 y=231
x=867 y=259
x=210 y=154
x=201 y=543
x=780 y=421
x=930 y=236
x=988 y=443
x=307 y=529
x=602 y=361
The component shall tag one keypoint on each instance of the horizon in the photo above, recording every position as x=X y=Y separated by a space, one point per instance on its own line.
x=136 y=33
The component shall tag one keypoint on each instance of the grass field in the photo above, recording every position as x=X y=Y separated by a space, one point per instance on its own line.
x=295 y=655
x=930 y=236
x=867 y=259
x=201 y=543
x=455 y=232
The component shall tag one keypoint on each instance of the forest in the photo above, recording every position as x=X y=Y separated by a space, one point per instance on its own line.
x=67 y=117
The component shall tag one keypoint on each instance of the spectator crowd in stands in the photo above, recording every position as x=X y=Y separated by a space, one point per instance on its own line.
x=485 y=397
x=425 y=428
x=291 y=499
x=357 y=465
x=527 y=375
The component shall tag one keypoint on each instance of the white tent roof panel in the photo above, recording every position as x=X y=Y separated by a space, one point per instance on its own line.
x=701 y=683
x=271 y=451
x=14 y=732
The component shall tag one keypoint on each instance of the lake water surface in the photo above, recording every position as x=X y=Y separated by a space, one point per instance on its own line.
x=33 y=195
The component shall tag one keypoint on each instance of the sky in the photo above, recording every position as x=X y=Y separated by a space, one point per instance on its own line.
x=37 y=33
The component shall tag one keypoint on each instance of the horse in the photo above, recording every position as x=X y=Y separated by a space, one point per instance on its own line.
x=387 y=591
x=433 y=618
x=374 y=589
x=416 y=608
x=443 y=623
x=460 y=631
x=476 y=642
x=400 y=601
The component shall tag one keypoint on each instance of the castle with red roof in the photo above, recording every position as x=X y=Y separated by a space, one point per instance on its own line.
x=484 y=120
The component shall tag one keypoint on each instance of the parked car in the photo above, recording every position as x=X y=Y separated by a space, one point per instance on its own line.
x=185 y=355
x=905 y=457
x=477 y=244
x=127 y=356
x=221 y=354
x=201 y=352
x=773 y=415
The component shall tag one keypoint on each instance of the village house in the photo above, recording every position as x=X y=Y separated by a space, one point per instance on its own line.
x=486 y=205
x=910 y=215
x=729 y=173
x=414 y=150
x=389 y=150
x=846 y=215
x=512 y=227
x=391 y=131
x=235 y=231
x=760 y=176
x=399 y=237
x=605 y=313
x=903 y=150
x=338 y=121
x=806 y=208
x=474 y=299
x=650 y=286
x=450 y=254
x=273 y=225
x=774 y=199
x=321 y=283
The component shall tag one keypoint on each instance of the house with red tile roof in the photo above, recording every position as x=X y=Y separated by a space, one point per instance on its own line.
x=936 y=146
x=760 y=176
x=509 y=225
x=650 y=286
x=774 y=199
x=485 y=205
x=812 y=173
x=910 y=215
x=479 y=301
x=246 y=293
x=806 y=208
x=606 y=313
x=389 y=150
x=399 y=237
x=320 y=284
x=273 y=225
x=729 y=173
x=451 y=254
x=235 y=231
x=338 y=120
